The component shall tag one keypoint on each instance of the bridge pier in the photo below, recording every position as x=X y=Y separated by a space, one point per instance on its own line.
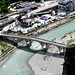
x=45 y=46
x=15 y=43
x=64 y=50
x=61 y=50
x=28 y=42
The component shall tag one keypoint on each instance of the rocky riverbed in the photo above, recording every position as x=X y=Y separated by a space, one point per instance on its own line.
x=47 y=63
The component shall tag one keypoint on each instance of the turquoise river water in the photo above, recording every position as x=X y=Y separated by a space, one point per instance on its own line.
x=17 y=63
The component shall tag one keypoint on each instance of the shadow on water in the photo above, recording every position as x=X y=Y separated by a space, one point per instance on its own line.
x=41 y=51
x=28 y=49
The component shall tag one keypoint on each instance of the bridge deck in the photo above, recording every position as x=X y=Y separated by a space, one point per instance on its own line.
x=35 y=39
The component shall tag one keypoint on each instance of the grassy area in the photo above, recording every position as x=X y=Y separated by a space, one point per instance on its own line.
x=70 y=41
x=46 y=57
x=4 y=47
x=67 y=34
x=73 y=17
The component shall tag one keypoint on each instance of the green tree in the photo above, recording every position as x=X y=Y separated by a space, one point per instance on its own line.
x=4 y=5
x=7 y=2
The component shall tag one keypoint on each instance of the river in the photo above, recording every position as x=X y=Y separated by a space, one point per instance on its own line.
x=17 y=63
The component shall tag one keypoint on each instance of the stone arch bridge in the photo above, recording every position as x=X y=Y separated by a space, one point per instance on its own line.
x=44 y=43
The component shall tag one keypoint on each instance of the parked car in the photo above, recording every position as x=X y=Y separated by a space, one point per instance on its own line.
x=49 y=18
x=38 y=22
x=42 y=24
x=49 y=21
x=45 y=18
x=55 y=20
x=28 y=30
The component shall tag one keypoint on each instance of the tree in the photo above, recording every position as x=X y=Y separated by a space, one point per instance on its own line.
x=4 y=9
x=4 y=5
x=7 y=2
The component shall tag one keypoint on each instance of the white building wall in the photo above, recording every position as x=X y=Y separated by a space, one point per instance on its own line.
x=64 y=1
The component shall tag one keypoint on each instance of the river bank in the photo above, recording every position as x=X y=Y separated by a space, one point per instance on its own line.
x=6 y=56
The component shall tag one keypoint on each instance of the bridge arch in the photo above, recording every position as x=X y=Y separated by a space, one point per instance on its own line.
x=61 y=49
x=37 y=45
x=28 y=42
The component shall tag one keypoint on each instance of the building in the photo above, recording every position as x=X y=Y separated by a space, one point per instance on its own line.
x=64 y=1
x=66 y=5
